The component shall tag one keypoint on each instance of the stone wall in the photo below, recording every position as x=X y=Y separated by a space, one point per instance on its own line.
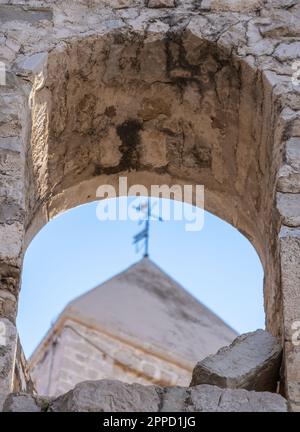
x=162 y=92
x=76 y=353
x=22 y=380
x=240 y=377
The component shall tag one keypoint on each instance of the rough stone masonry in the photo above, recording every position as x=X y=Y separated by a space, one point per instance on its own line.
x=184 y=92
x=115 y=396
x=251 y=362
x=219 y=384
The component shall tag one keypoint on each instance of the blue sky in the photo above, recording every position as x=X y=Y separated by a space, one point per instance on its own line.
x=75 y=252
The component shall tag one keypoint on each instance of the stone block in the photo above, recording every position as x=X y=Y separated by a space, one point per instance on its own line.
x=230 y=5
x=288 y=205
x=8 y=348
x=8 y=305
x=288 y=51
x=32 y=64
x=26 y=14
x=11 y=238
x=11 y=176
x=290 y=278
x=115 y=396
x=161 y=4
x=251 y=362
x=292 y=152
x=153 y=149
x=292 y=369
x=208 y=398
x=108 y=396
x=123 y=4
x=288 y=180
x=24 y=402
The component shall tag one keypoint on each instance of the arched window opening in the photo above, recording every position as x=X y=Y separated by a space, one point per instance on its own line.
x=92 y=307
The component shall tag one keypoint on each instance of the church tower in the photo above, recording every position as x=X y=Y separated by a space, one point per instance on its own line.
x=140 y=326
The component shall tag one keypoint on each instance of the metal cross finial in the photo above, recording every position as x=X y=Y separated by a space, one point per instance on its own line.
x=143 y=235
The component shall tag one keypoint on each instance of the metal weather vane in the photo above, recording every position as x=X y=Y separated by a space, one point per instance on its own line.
x=142 y=237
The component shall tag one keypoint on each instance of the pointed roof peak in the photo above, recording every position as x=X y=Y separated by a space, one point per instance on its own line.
x=147 y=306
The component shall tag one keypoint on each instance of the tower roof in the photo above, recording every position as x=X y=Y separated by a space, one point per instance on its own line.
x=146 y=306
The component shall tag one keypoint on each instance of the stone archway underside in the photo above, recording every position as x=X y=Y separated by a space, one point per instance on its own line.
x=191 y=94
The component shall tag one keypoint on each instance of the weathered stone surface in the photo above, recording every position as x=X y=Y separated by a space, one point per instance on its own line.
x=9 y=278
x=290 y=279
x=114 y=396
x=208 y=398
x=251 y=362
x=22 y=381
x=288 y=180
x=292 y=153
x=32 y=64
x=289 y=206
x=11 y=237
x=292 y=368
x=8 y=305
x=154 y=149
x=231 y=5
x=227 y=126
x=21 y=13
x=8 y=347
x=108 y=396
x=120 y=4
x=20 y=403
x=161 y=3
x=288 y=51
x=24 y=402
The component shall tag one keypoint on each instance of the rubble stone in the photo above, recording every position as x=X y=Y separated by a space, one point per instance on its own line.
x=251 y=362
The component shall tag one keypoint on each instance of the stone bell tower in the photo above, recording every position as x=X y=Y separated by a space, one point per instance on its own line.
x=140 y=326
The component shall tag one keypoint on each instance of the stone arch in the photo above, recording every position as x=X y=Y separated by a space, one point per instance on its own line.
x=149 y=108
x=173 y=101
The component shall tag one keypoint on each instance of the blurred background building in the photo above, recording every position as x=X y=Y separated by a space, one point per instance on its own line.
x=140 y=326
